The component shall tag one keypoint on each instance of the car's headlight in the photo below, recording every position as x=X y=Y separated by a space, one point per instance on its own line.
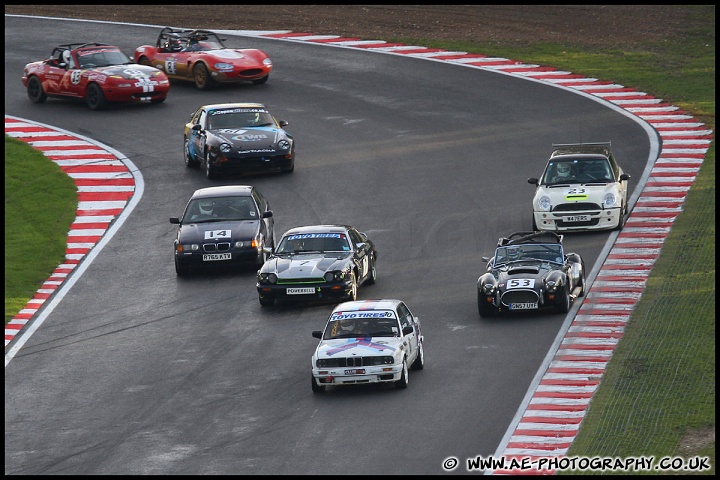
x=254 y=243
x=267 y=62
x=225 y=147
x=188 y=247
x=283 y=144
x=267 y=278
x=609 y=200
x=225 y=67
x=551 y=285
x=334 y=276
x=488 y=288
x=544 y=203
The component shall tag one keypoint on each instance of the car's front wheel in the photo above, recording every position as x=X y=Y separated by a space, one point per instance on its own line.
x=201 y=77
x=372 y=277
x=352 y=296
x=266 y=302
x=190 y=161
x=209 y=170
x=95 y=97
x=419 y=362
x=180 y=269
x=35 y=90
x=563 y=305
x=403 y=382
x=145 y=61
x=485 y=309
x=316 y=387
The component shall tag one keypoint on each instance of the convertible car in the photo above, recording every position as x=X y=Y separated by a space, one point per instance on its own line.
x=237 y=138
x=96 y=72
x=530 y=271
x=317 y=262
x=201 y=56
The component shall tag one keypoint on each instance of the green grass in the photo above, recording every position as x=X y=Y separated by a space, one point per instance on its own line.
x=40 y=204
x=657 y=397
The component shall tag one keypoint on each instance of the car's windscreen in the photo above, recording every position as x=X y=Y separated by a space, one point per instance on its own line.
x=102 y=58
x=220 y=209
x=544 y=252
x=568 y=171
x=370 y=323
x=239 y=118
x=313 y=242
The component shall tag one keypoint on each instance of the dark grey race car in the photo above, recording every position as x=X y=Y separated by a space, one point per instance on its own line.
x=530 y=271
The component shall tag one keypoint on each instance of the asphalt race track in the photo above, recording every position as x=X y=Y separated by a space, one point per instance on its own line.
x=139 y=372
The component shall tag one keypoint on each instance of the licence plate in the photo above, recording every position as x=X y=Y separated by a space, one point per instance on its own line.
x=523 y=306
x=301 y=291
x=212 y=257
x=355 y=371
x=576 y=218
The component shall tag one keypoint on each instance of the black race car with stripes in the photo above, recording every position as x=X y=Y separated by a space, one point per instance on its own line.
x=530 y=271
x=318 y=262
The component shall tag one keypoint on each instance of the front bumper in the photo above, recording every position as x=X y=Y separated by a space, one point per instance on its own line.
x=249 y=164
x=291 y=292
x=204 y=259
x=346 y=376
x=578 y=220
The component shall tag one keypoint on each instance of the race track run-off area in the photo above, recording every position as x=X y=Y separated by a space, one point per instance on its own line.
x=109 y=186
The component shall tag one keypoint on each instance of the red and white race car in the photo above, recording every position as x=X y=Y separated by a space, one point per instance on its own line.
x=96 y=72
x=200 y=56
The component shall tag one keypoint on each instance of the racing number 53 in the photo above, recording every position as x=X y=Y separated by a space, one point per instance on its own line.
x=520 y=283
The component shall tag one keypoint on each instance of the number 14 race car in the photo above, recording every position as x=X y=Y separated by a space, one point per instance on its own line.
x=95 y=72
x=530 y=271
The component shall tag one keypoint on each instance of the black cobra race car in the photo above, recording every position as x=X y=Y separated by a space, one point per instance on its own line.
x=230 y=225
x=318 y=262
x=237 y=138
x=530 y=271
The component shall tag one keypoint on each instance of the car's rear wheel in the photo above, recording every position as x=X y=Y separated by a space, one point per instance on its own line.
x=95 y=97
x=35 y=90
x=419 y=362
x=373 y=272
x=209 y=170
x=316 y=387
x=403 y=382
x=202 y=78
x=262 y=80
x=190 y=161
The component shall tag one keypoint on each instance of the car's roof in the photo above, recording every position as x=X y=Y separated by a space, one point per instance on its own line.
x=595 y=148
x=224 y=191
x=317 y=229
x=370 y=304
x=222 y=106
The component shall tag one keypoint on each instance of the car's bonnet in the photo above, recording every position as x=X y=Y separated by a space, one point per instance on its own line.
x=209 y=231
x=308 y=264
x=358 y=346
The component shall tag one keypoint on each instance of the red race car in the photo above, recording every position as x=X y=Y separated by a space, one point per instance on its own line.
x=201 y=56
x=95 y=72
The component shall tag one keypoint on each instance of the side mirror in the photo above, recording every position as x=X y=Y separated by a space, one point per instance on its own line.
x=408 y=330
x=175 y=220
x=624 y=177
x=197 y=127
x=317 y=334
x=283 y=123
x=533 y=181
x=267 y=214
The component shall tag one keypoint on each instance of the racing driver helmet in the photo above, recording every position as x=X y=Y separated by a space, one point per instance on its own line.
x=563 y=171
x=347 y=325
x=206 y=207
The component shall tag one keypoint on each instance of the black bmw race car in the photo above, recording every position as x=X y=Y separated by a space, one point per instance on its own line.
x=530 y=271
x=237 y=138
x=231 y=225
x=318 y=262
